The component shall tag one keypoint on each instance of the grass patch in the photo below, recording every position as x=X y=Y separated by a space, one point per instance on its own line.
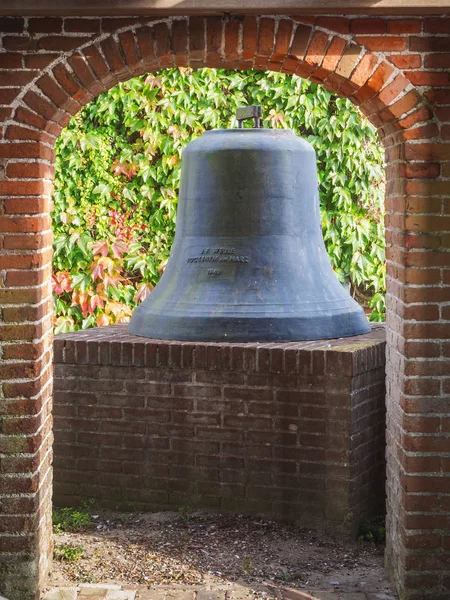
x=68 y=553
x=72 y=518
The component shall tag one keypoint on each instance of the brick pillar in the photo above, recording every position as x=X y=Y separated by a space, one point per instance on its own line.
x=418 y=359
x=418 y=369
x=25 y=366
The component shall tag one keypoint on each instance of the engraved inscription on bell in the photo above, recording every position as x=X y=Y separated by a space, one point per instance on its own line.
x=218 y=255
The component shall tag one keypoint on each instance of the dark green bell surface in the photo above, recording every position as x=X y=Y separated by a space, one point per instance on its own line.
x=248 y=262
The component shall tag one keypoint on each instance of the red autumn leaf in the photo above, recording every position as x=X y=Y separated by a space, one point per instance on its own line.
x=96 y=302
x=101 y=291
x=56 y=286
x=102 y=321
x=119 y=248
x=81 y=299
x=96 y=271
x=61 y=282
x=123 y=168
x=100 y=247
x=107 y=263
x=142 y=292
x=112 y=279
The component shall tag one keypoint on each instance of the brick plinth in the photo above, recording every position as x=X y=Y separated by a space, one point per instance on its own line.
x=294 y=431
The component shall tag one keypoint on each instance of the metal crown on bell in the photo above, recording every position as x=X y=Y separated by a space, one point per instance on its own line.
x=248 y=262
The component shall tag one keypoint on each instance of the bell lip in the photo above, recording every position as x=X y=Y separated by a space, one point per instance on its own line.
x=250 y=330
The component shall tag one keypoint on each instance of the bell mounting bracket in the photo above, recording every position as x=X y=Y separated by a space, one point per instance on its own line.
x=249 y=112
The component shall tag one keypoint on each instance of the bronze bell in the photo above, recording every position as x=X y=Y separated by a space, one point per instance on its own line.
x=248 y=262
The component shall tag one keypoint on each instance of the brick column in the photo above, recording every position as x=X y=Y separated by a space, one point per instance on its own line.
x=418 y=370
x=25 y=364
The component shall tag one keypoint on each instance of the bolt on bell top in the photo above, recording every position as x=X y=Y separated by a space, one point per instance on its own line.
x=248 y=263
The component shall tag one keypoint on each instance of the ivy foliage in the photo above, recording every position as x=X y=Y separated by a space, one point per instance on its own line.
x=118 y=173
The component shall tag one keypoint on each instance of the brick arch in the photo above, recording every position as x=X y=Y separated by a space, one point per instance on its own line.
x=336 y=61
x=327 y=51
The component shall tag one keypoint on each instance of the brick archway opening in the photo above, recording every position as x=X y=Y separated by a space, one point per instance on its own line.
x=323 y=49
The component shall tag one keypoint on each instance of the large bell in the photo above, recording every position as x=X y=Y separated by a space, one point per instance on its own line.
x=248 y=262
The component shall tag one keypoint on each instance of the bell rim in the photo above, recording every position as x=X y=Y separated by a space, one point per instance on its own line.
x=242 y=330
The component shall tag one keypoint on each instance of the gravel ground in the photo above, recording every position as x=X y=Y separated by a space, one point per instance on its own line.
x=193 y=548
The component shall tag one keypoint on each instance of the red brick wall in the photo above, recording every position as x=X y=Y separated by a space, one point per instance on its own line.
x=396 y=69
x=293 y=431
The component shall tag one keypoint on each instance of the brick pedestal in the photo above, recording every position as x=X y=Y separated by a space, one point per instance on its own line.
x=293 y=431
